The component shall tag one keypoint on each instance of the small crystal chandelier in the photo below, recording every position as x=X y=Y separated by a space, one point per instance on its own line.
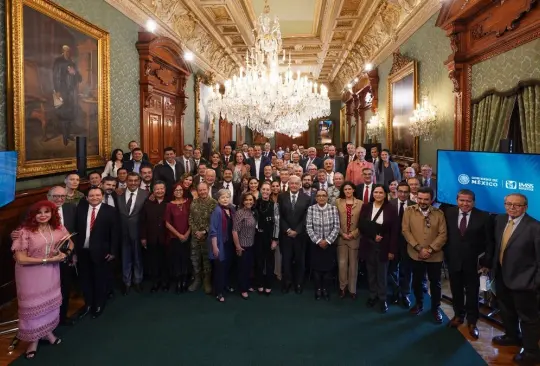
x=375 y=127
x=423 y=120
x=262 y=97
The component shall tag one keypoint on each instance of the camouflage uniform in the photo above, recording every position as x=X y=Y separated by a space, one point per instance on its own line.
x=199 y=220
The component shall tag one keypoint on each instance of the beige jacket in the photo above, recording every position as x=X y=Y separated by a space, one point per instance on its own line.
x=355 y=215
x=428 y=232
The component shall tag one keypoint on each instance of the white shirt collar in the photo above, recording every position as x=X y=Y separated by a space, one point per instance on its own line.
x=517 y=220
x=323 y=207
x=98 y=206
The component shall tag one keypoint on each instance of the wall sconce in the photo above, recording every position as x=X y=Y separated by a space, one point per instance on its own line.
x=423 y=120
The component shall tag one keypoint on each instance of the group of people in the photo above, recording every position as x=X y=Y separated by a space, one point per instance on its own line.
x=258 y=215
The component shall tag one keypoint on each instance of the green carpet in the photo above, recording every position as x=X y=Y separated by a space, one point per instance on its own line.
x=194 y=329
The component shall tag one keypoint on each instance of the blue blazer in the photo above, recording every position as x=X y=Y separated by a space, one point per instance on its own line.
x=380 y=176
x=216 y=231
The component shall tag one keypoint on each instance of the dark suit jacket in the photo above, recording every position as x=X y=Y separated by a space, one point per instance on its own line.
x=312 y=195
x=432 y=185
x=193 y=168
x=346 y=160
x=359 y=193
x=130 y=165
x=317 y=184
x=105 y=235
x=317 y=161
x=201 y=161
x=339 y=163
x=521 y=264
x=69 y=212
x=293 y=219
x=214 y=190
x=165 y=173
x=461 y=252
x=264 y=162
x=389 y=231
x=402 y=243
x=127 y=158
x=130 y=222
x=236 y=190
x=270 y=154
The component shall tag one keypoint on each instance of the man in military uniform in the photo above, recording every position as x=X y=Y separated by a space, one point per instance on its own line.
x=424 y=229
x=199 y=222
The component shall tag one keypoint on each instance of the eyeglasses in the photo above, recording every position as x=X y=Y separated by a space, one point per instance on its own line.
x=59 y=196
x=513 y=205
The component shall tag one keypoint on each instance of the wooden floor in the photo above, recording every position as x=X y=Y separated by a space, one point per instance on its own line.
x=491 y=354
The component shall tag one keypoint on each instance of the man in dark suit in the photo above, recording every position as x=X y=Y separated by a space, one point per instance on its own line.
x=312 y=158
x=400 y=268
x=227 y=183
x=96 y=244
x=137 y=163
x=469 y=232
x=198 y=159
x=169 y=172
x=426 y=181
x=187 y=161
x=350 y=155
x=109 y=191
x=213 y=186
x=268 y=153
x=293 y=207
x=133 y=145
x=339 y=163
x=364 y=191
x=67 y=212
x=227 y=156
x=130 y=205
x=257 y=163
x=307 y=188
x=514 y=260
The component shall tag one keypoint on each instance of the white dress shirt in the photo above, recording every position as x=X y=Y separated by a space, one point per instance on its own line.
x=399 y=205
x=230 y=188
x=173 y=166
x=295 y=196
x=330 y=177
x=143 y=186
x=467 y=218
x=127 y=195
x=257 y=167
x=136 y=166
x=88 y=217
x=517 y=220
x=369 y=187
x=284 y=186
x=108 y=199
x=380 y=219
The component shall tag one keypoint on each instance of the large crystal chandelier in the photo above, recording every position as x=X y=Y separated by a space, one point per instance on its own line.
x=423 y=120
x=264 y=98
x=375 y=127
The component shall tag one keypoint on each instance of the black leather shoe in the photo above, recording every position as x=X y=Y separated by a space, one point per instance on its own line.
x=326 y=294
x=437 y=316
x=505 y=340
x=155 y=288
x=298 y=289
x=383 y=307
x=84 y=312
x=286 y=288
x=97 y=313
x=405 y=302
x=527 y=358
x=318 y=294
x=371 y=303
x=473 y=331
x=416 y=309
x=125 y=290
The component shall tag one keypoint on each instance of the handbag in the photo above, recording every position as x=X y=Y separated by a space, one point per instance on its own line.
x=370 y=227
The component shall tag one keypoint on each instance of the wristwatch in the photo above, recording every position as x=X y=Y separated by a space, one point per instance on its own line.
x=430 y=250
x=417 y=247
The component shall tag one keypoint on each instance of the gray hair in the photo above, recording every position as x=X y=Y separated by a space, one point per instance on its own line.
x=223 y=192
x=520 y=195
x=53 y=188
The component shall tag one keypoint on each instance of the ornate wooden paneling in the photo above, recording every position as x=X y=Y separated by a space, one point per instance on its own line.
x=479 y=30
x=225 y=132
x=163 y=75
x=287 y=141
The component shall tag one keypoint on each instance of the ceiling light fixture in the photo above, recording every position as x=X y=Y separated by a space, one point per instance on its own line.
x=369 y=67
x=188 y=56
x=151 y=25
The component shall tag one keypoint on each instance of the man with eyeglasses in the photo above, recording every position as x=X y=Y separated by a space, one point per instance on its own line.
x=515 y=264
x=424 y=229
x=400 y=268
x=67 y=213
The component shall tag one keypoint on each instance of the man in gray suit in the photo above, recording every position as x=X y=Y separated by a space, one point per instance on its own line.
x=426 y=181
x=515 y=263
x=186 y=160
x=130 y=204
x=400 y=268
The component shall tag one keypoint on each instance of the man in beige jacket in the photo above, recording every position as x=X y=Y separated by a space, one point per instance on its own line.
x=424 y=229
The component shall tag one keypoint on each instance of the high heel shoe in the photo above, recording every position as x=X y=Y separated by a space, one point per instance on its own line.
x=220 y=298
x=30 y=355
x=245 y=295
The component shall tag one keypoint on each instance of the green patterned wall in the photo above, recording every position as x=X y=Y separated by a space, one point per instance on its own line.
x=504 y=71
x=124 y=75
x=430 y=47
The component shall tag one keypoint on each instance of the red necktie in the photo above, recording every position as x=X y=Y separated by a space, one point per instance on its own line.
x=366 y=194
x=92 y=218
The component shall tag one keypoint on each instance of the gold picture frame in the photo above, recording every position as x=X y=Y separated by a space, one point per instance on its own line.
x=32 y=96
x=343 y=128
x=401 y=102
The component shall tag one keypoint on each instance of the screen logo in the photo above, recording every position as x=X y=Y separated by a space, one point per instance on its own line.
x=511 y=184
x=463 y=179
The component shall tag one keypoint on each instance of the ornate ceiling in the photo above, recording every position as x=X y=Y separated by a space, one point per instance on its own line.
x=331 y=40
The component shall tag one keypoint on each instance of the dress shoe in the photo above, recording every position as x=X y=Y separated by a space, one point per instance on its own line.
x=326 y=294
x=473 y=331
x=138 y=287
x=298 y=289
x=155 y=288
x=416 y=309
x=353 y=296
x=84 y=312
x=342 y=294
x=371 y=303
x=286 y=288
x=527 y=358
x=405 y=302
x=318 y=294
x=505 y=340
x=383 y=307
x=97 y=313
x=455 y=322
x=437 y=316
x=165 y=287
x=125 y=290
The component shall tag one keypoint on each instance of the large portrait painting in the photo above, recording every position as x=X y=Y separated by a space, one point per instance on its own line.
x=58 y=82
x=203 y=120
x=402 y=98
x=325 y=131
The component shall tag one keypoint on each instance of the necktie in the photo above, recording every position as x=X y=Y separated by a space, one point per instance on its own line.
x=92 y=218
x=401 y=209
x=107 y=198
x=293 y=201
x=187 y=166
x=463 y=224
x=148 y=187
x=505 y=238
x=227 y=186
x=129 y=202
x=366 y=194
x=283 y=187
x=226 y=160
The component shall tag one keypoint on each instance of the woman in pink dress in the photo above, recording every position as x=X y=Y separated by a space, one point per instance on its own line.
x=37 y=274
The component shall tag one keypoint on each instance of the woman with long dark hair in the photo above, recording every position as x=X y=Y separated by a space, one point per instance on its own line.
x=112 y=166
x=253 y=187
x=239 y=167
x=243 y=236
x=266 y=239
x=386 y=170
x=379 y=225
x=216 y=165
x=37 y=274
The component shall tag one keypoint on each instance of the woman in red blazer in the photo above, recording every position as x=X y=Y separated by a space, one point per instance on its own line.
x=379 y=225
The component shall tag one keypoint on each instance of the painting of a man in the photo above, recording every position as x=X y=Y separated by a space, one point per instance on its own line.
x=66 y=81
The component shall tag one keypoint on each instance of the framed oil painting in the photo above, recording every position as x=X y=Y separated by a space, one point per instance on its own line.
x=325 y=131
x=58 y=85
x=402 y=99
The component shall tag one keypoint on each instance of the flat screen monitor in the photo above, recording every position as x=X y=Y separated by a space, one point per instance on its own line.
x=8 y=176
x=491 y=176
